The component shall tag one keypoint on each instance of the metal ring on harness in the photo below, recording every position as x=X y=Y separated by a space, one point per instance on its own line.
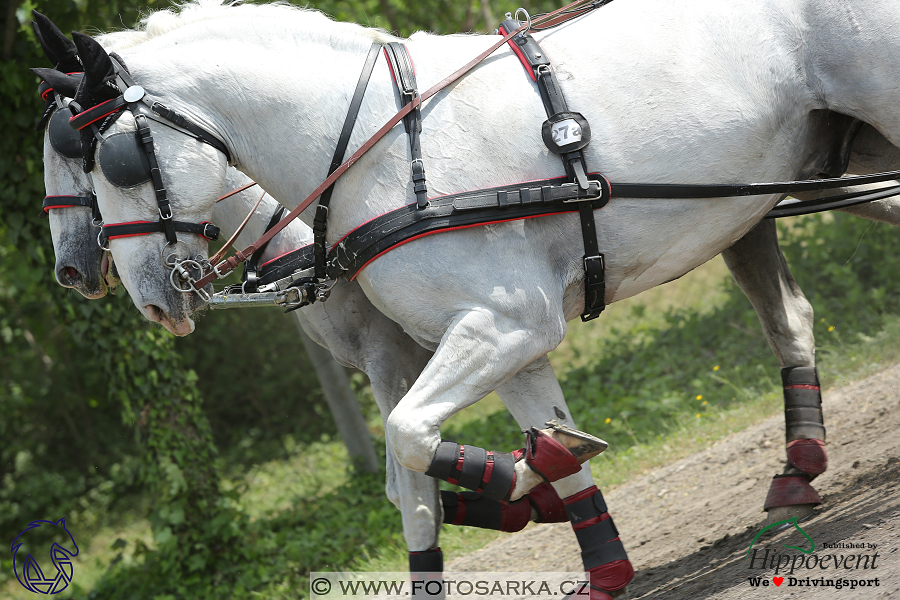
x=100 y=239
x=180 y=271
x=527 y=19
x=165 y=257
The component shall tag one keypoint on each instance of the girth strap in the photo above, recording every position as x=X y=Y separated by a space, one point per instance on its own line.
x=321 y=218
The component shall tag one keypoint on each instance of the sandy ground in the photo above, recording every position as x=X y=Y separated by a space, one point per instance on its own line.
x=688 y=526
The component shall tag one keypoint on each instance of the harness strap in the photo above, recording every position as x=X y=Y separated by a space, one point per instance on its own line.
x=121 y=230
x=51 y=202
x=125 y=81
x=286 y=265
x=680 y=190
x=199 y=133
x=538 y=67
x=159 y=189
x=458 y=211
x=568 y=15
x=229 y=264
x=250 y=275
x=321 y=218
x=805 y=207
x=404 y=77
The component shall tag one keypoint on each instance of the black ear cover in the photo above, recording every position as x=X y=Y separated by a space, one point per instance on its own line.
x=60 y=49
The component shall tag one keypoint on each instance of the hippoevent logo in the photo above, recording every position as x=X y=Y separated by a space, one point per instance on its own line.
x=802 y=566
x=28 y=570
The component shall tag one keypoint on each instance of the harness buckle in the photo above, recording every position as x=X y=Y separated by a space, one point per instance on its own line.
x=167 y=216
x=219 y=275
x=412 y=169
x=594 y=192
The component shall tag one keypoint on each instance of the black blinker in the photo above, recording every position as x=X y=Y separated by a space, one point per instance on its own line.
x=63 y=138
x=123 y=161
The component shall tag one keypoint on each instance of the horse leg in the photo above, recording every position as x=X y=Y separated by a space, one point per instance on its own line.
x=758 y=266
x=533 y=397
x=415 y=494
x=392 y=361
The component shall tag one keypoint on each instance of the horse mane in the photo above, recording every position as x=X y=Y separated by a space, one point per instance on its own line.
x=158 y=23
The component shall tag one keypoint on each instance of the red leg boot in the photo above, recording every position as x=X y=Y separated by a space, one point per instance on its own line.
x=602 y=552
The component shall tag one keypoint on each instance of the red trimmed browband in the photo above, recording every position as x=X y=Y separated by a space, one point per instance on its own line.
x=94 y=114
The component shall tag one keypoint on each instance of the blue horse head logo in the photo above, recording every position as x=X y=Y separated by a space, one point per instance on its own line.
x=29 y=572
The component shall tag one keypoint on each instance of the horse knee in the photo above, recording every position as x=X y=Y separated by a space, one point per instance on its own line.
x=413 y=442
x=390 y=490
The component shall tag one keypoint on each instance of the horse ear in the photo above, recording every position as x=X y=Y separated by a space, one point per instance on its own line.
x=56 y=45
x=40 y=38
x=61 y=83
x=97 y=65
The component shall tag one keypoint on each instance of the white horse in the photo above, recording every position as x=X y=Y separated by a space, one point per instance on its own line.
x=348 y=325
x=699 y=92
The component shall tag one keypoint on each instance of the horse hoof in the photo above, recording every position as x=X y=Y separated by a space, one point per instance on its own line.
x=808 y=455
x=790 y=492
x=583 y=446
x=783 y=513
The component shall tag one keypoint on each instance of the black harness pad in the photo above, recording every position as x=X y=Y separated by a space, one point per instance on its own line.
x=123 y=162
x=63 y=138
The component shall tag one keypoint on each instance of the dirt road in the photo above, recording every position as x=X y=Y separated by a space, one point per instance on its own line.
x=688 y=526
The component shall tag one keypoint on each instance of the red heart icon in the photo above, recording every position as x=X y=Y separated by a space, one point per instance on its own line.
x=778 y=580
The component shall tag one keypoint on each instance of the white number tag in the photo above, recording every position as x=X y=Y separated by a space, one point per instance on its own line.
x=565 y=132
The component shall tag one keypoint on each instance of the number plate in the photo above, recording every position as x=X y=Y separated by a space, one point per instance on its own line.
x=566 y=132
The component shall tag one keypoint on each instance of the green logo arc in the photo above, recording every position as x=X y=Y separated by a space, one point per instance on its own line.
x=791 y=521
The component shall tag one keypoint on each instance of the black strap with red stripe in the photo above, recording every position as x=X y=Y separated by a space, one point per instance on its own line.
x=81 y=119
x=458 y=211
x=64 y=201
x=121 y=230
x=802 y=404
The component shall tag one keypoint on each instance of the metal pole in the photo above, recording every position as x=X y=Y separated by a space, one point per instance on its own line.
x=342 y=402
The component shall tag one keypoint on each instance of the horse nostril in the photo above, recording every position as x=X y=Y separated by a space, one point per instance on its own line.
x=69 y=276
x=154 y=312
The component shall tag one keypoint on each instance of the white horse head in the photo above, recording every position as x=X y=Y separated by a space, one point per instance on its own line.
x=82 y=266
x=201 y=176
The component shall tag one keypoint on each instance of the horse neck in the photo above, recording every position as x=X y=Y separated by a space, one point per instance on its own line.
x=231 y=212
x=280 y=121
